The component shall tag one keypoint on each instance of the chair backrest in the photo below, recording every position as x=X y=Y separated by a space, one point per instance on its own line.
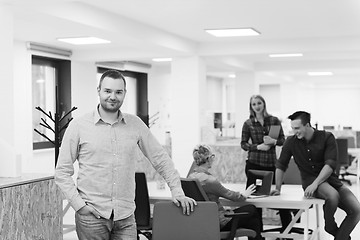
x=351 y=142
x=169 y=222
x=142 y=202
x=292 y=174
x=342 y=144
x=193 y=189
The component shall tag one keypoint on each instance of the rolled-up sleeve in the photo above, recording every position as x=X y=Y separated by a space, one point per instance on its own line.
x=285 y=156
x=331 y=152
x=213 y=186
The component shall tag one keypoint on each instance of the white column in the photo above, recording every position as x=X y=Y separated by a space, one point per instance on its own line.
x=245 y=88
x=6 y=76
x=8 y=166
x=187 y=114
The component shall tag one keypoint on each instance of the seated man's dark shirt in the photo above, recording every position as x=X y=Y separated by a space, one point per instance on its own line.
x=311 y=156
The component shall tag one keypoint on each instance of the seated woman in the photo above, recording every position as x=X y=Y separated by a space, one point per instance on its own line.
x=204 y=158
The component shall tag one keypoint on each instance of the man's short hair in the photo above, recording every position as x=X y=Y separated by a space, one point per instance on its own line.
x=302 y=115
x=114 y=74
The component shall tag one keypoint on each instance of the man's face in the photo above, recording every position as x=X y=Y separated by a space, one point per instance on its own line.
x=111 y=94
x=298 y=128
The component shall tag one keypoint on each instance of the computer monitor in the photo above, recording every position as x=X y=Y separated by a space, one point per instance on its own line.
x=329 y=127
x=261 y=179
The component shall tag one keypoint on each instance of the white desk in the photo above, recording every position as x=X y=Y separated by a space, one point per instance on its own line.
x=355 y=152
x=292 y=197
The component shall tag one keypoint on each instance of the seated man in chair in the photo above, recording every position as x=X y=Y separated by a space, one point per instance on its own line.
x=204 y=158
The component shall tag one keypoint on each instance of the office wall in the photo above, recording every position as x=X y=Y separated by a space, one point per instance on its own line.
x=337 y=106
x=214 y=94
x=328 y=105
x=84 y=94
x=159 y=97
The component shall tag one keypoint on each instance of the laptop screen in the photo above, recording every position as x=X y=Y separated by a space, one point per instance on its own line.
x=261 y=179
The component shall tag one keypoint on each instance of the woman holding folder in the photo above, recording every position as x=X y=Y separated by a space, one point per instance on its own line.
x=256 y=140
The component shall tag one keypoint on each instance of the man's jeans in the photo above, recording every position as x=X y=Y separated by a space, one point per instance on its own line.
x=344 y=199
x=88 y=227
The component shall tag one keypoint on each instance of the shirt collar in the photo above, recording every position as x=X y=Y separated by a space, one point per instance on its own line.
x=254 y=119
x=97 y=117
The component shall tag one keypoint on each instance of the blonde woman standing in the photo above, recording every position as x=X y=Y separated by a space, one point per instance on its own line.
x=260 y=146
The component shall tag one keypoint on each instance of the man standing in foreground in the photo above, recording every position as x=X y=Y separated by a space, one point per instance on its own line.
x=104 y=143
x=315 y=153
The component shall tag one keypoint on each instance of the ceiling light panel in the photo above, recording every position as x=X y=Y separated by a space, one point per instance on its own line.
x=162 y=59
x=320 y=73
x=233 y=32
x=279 y=55
x=83 y=40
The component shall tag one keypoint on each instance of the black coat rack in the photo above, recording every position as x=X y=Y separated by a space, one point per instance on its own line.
x=58 y=126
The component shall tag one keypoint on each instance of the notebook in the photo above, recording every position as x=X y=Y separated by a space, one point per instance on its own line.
x=274 y=131
x=262 y=180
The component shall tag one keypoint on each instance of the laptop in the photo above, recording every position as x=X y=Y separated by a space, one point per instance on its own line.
x=262 y=181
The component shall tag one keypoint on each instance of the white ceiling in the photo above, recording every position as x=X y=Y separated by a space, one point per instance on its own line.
x=327 y=32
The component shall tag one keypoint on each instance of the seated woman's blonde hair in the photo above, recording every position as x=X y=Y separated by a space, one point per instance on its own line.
x=201 y=154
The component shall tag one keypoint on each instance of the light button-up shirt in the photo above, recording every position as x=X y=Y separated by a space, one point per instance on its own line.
x=106 y=154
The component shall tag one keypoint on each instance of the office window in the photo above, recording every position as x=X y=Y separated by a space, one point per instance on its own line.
x=49 y=74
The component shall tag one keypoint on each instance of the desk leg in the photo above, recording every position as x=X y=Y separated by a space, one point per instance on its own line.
x=317 y=209
x=316 y=231
x=306 y=228
x=358 y=170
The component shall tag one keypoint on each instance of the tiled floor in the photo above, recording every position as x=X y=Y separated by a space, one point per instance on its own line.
x=69 y=219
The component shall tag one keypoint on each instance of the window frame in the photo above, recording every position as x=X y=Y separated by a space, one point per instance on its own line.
x=63 y=85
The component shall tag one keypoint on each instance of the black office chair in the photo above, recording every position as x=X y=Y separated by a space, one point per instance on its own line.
x=343 y=159
x=142 y=211
x=351 y=144
x=193 y=189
